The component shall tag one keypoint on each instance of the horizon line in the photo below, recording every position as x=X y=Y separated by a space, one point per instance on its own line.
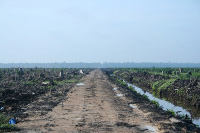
x=97 y=62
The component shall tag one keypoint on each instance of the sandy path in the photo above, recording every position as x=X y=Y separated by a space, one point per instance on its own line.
x=93 y=107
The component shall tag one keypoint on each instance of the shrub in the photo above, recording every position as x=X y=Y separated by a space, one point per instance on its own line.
x=171 y=111
x=155 y=103
x=4 y=119
x=145 y=96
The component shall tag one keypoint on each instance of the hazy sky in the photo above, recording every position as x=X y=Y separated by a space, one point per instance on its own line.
x=99 y=31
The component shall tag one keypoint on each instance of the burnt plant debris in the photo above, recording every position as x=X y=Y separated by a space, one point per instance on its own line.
x=20 y=87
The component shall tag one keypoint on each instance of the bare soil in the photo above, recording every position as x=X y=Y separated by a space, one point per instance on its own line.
x=96 y=107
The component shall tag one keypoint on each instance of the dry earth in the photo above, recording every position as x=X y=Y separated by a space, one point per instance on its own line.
x=93 y=107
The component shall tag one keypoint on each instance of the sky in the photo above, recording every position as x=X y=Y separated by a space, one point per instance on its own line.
x=47 y=31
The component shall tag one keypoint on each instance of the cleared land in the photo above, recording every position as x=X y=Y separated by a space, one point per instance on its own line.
x=97 y=107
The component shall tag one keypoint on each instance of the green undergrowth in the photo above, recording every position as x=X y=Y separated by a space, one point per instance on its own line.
x=120 y=82
x=155 y=103
x=4 y=119
x=4 y=123
x=171 y=111
x=180 y=116
x=132 y=89
x=181 y=91
x=145 y=96
x=163 y=84
x=115 y=72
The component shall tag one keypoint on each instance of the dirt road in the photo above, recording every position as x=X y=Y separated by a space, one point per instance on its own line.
x=92 y=107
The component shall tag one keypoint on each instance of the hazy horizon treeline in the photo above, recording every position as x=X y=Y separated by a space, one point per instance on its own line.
x=97 y=65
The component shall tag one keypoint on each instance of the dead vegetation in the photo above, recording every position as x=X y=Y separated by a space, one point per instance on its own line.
x=43 y=89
